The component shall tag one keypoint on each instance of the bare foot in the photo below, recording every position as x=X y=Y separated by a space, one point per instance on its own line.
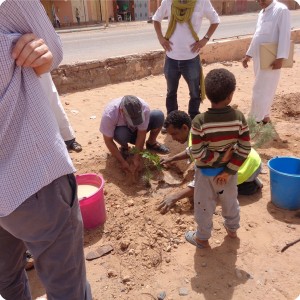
x=231 y=234
x=203 y=243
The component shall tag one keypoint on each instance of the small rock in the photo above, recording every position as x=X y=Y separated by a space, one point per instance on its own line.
x=162 y=295
x=227 y=64
x=183 y=292
x=67 y=102
x=167 y=260
x=291 y=226
x=130 y=203
x=204 y=264
x=160 y=233
x=89 y=143
x=92 y=117
x=168 y=249
x=238 y=274
x=131 y=252
x=126 y=279
x=111 y=273
x=124 y=245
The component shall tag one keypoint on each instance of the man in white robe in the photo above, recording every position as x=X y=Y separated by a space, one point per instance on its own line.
x=65 y=128
x=273 y=26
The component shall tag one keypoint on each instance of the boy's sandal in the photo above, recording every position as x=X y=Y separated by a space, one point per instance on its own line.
x=157 y=147
x=190 y=237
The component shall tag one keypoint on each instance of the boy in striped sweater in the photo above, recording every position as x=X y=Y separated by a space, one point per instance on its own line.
x=220 y=145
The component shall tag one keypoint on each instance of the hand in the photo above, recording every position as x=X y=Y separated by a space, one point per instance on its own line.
x=165 y=205
x=125 y=167
x=228 y=154
x=136 y=163
x=196 y=47
x=166 y=44
x=245 y=61
x=165 y=160
x=222 y=178
x=277 y=64
x=31 y=51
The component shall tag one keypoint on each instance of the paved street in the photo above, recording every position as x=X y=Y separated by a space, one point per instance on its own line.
x=139 y=37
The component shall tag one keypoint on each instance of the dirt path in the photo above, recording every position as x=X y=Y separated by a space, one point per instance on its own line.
x=150 y=254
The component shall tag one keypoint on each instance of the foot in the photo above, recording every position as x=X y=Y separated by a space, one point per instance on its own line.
x=163 y=130
x=73 y=146
x=29 y=261
x=231 y=234
x=266 y=120
x=190 y=237
x=157 y=147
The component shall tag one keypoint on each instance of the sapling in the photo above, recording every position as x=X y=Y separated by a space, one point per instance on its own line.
x=260 y=133
x=150 y=160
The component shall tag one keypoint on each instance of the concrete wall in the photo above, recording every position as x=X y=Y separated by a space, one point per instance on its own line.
x=82 y=76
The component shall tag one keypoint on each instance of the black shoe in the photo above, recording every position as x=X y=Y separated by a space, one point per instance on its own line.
x=73 y=145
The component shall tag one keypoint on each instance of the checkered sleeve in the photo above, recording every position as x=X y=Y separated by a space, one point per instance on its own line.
x=29 y=16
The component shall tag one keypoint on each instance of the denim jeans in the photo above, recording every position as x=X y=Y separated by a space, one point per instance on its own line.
x=123 y=135
x=190 y=70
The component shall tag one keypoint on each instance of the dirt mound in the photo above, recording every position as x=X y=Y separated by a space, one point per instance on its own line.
x=287 y=106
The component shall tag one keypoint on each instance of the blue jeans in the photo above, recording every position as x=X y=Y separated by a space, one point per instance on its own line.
x=123 y=135
x=190 y=70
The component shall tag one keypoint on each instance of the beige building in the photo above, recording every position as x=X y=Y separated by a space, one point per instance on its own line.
x=89 y=11
x=94 y=11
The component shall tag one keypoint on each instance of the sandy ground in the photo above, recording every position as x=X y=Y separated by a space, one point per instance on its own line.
x=150 y=253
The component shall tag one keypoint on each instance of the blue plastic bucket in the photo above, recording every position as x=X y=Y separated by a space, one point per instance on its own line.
x=285 y=182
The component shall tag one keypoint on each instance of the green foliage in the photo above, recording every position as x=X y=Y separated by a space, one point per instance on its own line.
x=150 y=160
x=260 y=133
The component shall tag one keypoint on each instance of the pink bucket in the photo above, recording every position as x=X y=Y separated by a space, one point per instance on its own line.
x=92 y=207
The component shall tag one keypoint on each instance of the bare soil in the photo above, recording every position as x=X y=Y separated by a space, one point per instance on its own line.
x=150 y=253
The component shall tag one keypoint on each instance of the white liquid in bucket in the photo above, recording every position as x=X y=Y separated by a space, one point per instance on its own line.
x=86 y=190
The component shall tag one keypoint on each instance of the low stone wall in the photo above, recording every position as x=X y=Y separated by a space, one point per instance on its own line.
x=82 y=76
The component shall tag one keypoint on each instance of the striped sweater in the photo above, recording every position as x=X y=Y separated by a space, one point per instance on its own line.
x=213 y=132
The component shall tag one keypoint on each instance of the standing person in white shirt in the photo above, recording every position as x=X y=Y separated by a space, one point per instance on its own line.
x=182 y=46
x=273 y=26
x=39 y=210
